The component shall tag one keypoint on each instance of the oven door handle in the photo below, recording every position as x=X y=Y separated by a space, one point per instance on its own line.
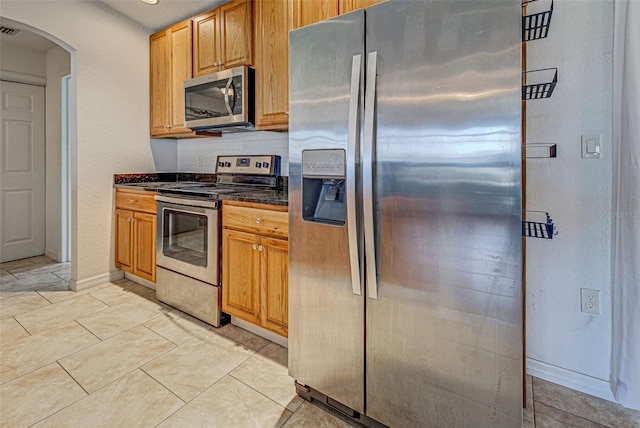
x=180 y=203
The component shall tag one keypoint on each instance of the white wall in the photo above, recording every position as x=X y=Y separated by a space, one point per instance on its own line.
x=110 y=60
x=22 y=60
x=564 y=344
x=58 y=64
x=241 y=143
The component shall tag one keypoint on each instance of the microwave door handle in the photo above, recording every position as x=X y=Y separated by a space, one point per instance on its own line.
x=226 y=96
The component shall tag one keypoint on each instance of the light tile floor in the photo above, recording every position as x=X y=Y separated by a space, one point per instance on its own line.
x=114 y=356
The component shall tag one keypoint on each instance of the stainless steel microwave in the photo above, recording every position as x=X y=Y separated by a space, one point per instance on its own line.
x=222 y=100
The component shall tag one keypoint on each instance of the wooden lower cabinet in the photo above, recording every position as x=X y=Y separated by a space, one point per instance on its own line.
x=144 y=244
x=241 y=275
x=275 y=286
x=255 y=267
x=135 y=234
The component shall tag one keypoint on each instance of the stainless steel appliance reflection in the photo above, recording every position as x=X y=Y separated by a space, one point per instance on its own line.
x=405 y=213
x=188 y=234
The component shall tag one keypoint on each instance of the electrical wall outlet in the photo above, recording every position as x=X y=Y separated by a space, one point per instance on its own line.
x=590 y=300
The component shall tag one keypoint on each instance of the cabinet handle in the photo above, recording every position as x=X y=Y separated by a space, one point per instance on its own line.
x=130 y=219
x=255 y=246
x=133 y=202
x=258 y=220
x=259 y=247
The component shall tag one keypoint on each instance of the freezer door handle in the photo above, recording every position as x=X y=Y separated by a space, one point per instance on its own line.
x=367 y=176
x=352 y=145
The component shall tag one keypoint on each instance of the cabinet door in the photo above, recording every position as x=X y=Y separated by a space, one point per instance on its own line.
x=124 y=240
x=349 y=5
x=236 y=33
x=307 y=12
x=181 y=62
x=275 y=285
x=241 y=275
x=272 y=25
x=159 y=77
x=206 y=45
x=145 y=245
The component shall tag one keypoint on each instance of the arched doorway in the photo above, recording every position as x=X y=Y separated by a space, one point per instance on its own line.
x=32 y=59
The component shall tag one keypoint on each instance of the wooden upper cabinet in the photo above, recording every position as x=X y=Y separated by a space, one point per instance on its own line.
x=236 y=35
x=206 y=43
x=170 y=66
x=181 y=51
x=347 y=6
x=222 y=38
x=307 y=12
x=272 y=22
x=160 y=96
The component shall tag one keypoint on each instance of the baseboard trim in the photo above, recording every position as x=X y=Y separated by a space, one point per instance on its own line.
x=83 y=284
x=140 y=280
x=269 y=335
x=574 y=380
x=53 y=255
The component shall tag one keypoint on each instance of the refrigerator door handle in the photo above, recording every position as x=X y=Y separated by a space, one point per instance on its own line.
x=352 y=145
x=367 y=176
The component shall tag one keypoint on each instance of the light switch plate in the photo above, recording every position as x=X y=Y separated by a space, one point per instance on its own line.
x=590 y=146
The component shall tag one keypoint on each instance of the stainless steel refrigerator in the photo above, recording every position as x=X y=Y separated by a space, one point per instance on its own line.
x=405 y=300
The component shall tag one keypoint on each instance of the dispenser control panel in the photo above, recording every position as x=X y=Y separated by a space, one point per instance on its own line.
x=323 y=163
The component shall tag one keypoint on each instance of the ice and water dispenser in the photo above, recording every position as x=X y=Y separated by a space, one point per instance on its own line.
x=323 y=186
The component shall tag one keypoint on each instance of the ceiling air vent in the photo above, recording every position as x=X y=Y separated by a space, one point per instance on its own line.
x=8 y=31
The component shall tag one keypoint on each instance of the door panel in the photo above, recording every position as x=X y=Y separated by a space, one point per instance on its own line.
x=444 y=337
x=236 y=33
x=145 y=244
x=241 y=275
x=160 y=104
x=124 y=240
x=22 y=183
x=275 y=296
x=181 y=60
x=206 y=45
x=308 y=12
x=326 y=336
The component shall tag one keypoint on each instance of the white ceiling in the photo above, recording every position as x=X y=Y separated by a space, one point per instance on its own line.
x=24 y=38
x=163 y=14
x=152 y=17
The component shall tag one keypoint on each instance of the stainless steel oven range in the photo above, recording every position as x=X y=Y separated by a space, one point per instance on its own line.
x=188 y=234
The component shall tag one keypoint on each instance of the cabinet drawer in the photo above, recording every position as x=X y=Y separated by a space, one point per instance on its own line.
x=136 y=201
x=257 y=220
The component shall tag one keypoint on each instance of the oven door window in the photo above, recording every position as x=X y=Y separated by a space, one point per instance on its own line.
x=185 y=237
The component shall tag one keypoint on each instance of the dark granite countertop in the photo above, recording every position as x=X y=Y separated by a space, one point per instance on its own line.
x=154 y=181
x=271 y=197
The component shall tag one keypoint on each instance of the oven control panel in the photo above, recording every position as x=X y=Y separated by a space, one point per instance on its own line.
x=253 y=164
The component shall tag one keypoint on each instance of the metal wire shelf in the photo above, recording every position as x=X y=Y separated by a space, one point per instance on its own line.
x=536 y=84
x=538 y=229
x=536 y=25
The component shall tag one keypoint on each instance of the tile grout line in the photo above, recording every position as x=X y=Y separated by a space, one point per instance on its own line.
x=75 y=380
x=259 y=392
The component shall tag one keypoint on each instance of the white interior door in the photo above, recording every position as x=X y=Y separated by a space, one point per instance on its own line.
x=22 y=183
